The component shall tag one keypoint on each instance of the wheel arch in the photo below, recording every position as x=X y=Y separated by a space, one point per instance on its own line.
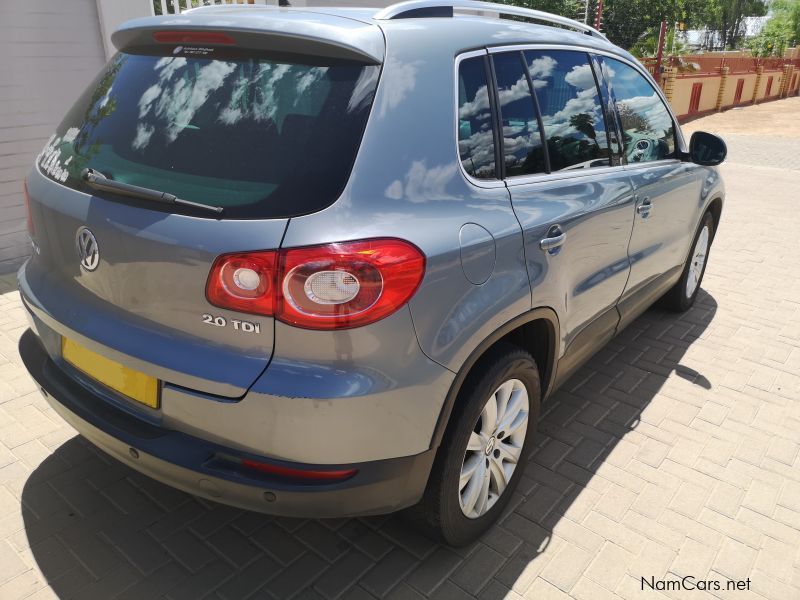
x=715 y=207
x=536 y=331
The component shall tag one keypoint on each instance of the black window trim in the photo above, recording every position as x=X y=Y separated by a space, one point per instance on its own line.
x=498 y=117
x=497 y=120
x=537 y=111
x=481 y=183
x=590 y=59
x=618 y=158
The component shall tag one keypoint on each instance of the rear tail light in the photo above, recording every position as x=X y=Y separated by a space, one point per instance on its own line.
x=347 y=285
x=244 y=282
x=334 y=286
x=31 y=228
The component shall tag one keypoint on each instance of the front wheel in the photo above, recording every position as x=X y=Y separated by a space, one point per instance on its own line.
x=485 y=448
x=682 y=295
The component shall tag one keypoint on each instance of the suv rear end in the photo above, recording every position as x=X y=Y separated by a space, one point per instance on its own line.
x=277 y=261
x=156 y=324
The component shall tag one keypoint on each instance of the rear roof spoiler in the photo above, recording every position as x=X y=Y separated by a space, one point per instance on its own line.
x=295 y=32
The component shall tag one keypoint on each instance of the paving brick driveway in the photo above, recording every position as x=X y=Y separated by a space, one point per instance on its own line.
x=673 y=452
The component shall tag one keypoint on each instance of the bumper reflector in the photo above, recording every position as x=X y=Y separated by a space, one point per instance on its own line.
x=311 y=475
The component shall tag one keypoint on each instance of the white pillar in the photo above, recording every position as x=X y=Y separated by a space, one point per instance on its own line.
x=113 y=13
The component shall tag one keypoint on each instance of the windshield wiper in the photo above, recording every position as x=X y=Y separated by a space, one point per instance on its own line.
x=100 y=182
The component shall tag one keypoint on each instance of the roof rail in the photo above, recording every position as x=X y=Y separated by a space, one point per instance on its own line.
x=445 y=8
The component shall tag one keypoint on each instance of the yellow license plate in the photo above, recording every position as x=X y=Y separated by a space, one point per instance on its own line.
x=133 y=384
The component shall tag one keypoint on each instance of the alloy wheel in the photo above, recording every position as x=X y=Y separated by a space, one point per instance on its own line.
x=697 y=261
x=494 y=448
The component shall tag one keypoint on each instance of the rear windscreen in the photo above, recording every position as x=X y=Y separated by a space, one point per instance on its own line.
x=259 y=136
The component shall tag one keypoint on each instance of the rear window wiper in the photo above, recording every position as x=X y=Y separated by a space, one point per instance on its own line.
x=99 y=181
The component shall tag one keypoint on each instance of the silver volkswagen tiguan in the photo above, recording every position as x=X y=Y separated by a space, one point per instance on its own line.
x=330 y=262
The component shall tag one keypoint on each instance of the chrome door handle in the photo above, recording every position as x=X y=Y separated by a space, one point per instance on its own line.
x=645 y=208
x=554 y=240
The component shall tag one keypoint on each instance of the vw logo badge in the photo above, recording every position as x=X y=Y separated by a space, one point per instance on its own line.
x=88 y=252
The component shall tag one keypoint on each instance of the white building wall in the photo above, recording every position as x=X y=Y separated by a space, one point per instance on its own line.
x=49 y=51
x=112 y=13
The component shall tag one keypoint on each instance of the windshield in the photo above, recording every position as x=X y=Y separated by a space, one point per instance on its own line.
x=262 y=138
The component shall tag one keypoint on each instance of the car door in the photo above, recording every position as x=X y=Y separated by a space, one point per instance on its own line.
x=575 y=206
x=668 y=191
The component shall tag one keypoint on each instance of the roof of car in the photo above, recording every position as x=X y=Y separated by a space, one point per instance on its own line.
x=356 y=30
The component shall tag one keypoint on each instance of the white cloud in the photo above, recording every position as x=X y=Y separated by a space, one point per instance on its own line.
x=143 y=134
x=307 y=79
x=581 y=77
x=519 y=90
x=399 y=78
x=168 y=66
x=363 y=90
x=651 y=109
x=477 y=105
x=423 y=184
x=70 y=135
x=542 y=67
x=146 y=101
x=179 y=103
x=104 y=100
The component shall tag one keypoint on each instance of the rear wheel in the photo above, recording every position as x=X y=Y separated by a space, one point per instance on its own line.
x=682 y=295
x=485 y=449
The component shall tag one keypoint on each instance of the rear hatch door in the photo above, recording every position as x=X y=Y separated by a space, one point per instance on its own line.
x=262 y=133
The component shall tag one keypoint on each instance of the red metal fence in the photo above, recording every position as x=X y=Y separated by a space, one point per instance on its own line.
x=703 y=65
x=650 y=64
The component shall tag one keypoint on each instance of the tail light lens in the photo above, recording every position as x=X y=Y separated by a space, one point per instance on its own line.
x=244 y=282
x=347 y=285
x=31 y=228
x=334 y=286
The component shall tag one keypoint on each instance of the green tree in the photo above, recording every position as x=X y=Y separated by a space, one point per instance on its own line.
x=781 y=30
x=627 y=22
x=726 y=18
x=632 y=119
x=573 y=9
x=583 y=122
x=647 y=44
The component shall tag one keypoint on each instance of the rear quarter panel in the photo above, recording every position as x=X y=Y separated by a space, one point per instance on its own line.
x=407 y=183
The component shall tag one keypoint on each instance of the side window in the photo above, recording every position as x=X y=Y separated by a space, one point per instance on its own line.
x=475 y=128
x=571 y=109
x=610 y=112
x=648 y=132
x=522 y=142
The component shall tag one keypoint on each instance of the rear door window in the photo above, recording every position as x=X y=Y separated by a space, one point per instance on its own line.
x=522 y=142
x=475 y=121
x=262 y=137
x=648 y=132
x=571 y=109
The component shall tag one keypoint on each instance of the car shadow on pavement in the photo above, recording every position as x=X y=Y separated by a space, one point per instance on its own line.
x=98 y=529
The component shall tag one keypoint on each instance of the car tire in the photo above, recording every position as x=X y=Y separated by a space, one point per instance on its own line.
x=682 y=295
x=457 y=513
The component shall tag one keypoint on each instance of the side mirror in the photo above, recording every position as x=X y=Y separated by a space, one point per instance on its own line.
x=707 y=149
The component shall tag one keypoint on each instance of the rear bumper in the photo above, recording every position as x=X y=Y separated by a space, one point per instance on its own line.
x=196 y=465
x=366 y=394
